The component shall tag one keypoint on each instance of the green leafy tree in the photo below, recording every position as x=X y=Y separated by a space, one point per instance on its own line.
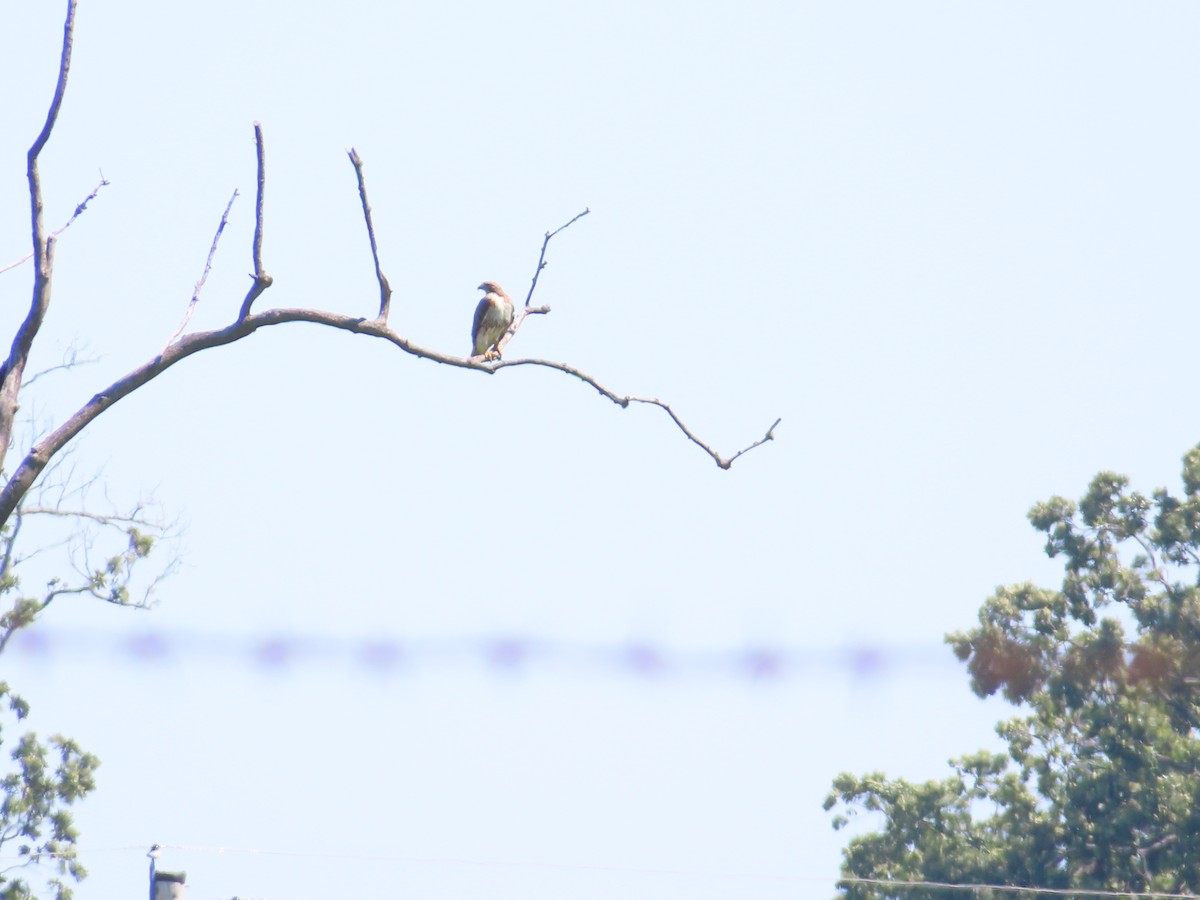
x=1100 y=787
x=35 y=795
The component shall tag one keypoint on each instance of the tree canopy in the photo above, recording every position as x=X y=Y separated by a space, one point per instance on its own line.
x=1100 y=787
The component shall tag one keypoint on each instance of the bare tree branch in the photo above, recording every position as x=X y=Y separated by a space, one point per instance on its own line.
x=262 y=280
x=43 y=451
x=212 y=251
x=13 y=368
x=79 y=209
x=385 y=289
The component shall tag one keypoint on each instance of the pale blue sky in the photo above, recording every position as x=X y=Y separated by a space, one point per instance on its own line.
x=951 y=245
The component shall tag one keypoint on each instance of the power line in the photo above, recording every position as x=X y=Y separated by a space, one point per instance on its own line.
x=634 y=870
x=382 y=655
x=1015 y=889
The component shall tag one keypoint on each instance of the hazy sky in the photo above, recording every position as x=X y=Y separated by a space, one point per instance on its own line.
x=951 y=245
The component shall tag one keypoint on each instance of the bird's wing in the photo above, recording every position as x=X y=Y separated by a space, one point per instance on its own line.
x=480 y=312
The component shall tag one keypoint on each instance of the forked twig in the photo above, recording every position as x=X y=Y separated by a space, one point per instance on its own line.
x=528 y=310
x=717 y=458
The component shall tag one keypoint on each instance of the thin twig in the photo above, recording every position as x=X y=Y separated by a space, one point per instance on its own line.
x=769 y=436
x=79 y=208
x=385 y=289
x=527 y=310
x=212 y=251
x=624 y=401
x=71 y=361
x=542 y=256
x=262 y=280
x=98 y=518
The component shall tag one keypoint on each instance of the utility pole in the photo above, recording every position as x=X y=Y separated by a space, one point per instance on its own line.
x=153 y=854
x=165 y=885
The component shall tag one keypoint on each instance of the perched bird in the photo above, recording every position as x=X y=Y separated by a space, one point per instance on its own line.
x=493 y=315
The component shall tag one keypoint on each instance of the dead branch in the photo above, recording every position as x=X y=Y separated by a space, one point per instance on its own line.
x=13 y=368
x=79 y=209
x=385 y=289
x=212 y=251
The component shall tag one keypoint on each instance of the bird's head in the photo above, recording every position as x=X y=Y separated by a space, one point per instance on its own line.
x=490 y=287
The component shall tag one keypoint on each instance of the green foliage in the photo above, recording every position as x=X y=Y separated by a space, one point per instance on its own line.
x=1100 y=788
x=125 y=540
x=35 y=822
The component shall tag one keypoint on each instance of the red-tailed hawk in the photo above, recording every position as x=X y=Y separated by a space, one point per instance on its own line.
x=493 y=315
